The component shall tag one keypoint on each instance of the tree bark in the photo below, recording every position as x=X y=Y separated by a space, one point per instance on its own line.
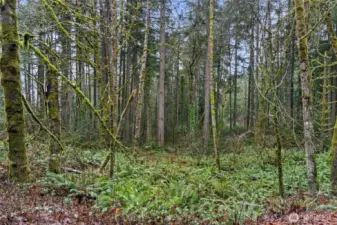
x=210 y=76
x=52 y=95
x=324 y=119
x=250 y=111
x=207 y=101
x=333 y=149
x=306 y=96
x=40 y=78
x=140 y=99
x=161 y=102
x=235 y=83
x=10 y=68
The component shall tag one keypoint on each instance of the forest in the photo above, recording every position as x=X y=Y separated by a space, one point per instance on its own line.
x=168 y=112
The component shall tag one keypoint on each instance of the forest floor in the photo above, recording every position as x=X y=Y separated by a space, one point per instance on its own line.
x=166 y=188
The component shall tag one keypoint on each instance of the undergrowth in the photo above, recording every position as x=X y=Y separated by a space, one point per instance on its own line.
x=179 y=185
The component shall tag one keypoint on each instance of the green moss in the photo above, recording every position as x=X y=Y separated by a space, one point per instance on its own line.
x=78 y=92
x=55 y=149
x=10 y=68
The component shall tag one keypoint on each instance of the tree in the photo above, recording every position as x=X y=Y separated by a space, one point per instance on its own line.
x=210 y=76
x=139 y=107
x=161 y=88
x=207 y=100
x=333 y=39
x=306 y=96
x=10 y=68
x=52 y=95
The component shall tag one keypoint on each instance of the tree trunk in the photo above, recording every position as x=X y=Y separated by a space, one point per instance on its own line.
x=306 y=96
x=10 y=68
x=324 y=119
x=79 y=113
x=235 y=83
x=52 y=95
x=161 y=102
x=40 y=78
x=212 y=84
x=177 y=94
x=333 y=149
x=251 y=90
x=256 y=77
x=97 y=60
x=139 y=107
x=279 y=147
x=66 y=96
x=207 y=100
x=292 y=62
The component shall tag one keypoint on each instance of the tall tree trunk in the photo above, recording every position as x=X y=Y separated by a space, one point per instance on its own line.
x=148 y=119
x=40 y=78
x=10 y=68
x=230 y=83
x=306 y=96
x=66 y=96
x=52 y=95
x=114 y=85
x=112 y=50
x=251 y=90
x=97 y=60
x=79 y=114
x=212 y=84
x=161 y=102
x=235 y=83
x=292 y=62
x=324 y=119
x=139 y=107
x=333 y=149
x=29 y=81
x=177 y=94
x=207 y=100
x=256 y=77
x=279 y=147
x=103 y=81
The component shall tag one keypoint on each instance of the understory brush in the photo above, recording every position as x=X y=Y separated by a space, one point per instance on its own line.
x=170 y=185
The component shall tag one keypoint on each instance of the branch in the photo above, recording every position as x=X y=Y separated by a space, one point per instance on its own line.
x=29 y=109
x=77 y=90
x=107 y=157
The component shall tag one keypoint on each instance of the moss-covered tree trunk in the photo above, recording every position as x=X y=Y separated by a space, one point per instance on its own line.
x=212 y=84
x=40 y=78
x=10 y=68
x=250 y=112
x=52 y=95
x=139 y=106
x=113 y=82
x=306 y=96
x=207 y=103
x=276 y=117
x=66 y=97
x=103 y=78
x=324 y=117
x=333 y=148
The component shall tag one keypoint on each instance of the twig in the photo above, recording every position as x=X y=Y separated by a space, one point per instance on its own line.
x=67 y=169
